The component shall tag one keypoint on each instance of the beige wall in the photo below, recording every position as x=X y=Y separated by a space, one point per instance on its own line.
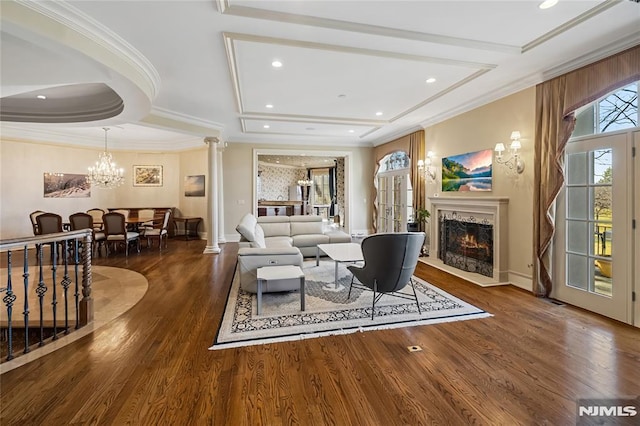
x=194 y=163
x=239 y=183
x=22 y=165
x=480 y=129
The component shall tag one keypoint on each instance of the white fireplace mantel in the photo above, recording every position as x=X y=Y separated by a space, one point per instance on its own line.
x=495 y=208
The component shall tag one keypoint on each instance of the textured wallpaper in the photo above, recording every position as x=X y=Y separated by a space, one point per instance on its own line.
x=275 y=181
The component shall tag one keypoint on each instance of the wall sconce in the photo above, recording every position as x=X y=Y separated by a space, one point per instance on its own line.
x=515 y=163
x=305 y=182
x=427 y=168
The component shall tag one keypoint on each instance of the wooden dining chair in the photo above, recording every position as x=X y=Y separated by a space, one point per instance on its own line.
x=50 y=223
x=85 y=221
x=34 y=224
x=159 y=231
x=96 y=214
x=115 y=229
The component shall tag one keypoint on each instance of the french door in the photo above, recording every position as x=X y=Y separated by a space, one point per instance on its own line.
x=393 y=193
x=594 y=233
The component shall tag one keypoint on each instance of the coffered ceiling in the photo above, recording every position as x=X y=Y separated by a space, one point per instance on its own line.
x=166 y=74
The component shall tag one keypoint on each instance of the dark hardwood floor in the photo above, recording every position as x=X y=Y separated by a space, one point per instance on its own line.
x=528 y=364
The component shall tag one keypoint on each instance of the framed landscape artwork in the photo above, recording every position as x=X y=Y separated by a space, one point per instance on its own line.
x=147 y=175
x=468 y=172
x=66 y=185
x=194 y=186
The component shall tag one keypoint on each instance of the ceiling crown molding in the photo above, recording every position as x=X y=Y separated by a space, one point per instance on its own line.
x=226 y=7
x=63 y=23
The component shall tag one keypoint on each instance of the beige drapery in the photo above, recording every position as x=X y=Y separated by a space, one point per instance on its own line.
x=413 y=145
x=556 y=100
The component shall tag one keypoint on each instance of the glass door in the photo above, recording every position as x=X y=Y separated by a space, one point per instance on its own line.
x=594 y=227
x=392 y=201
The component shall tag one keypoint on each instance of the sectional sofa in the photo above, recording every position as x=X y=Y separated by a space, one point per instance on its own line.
x=279 y=240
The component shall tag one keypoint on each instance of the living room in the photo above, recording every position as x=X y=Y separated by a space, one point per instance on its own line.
x=531 y=360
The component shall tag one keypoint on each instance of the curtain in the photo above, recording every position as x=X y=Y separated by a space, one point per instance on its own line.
x=556 y=100
x=332 y=190
x=416 y=152
x=379 y=152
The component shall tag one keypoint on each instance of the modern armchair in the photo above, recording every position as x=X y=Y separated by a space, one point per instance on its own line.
x=389 y=263
x=159 y=231
x=115 y=229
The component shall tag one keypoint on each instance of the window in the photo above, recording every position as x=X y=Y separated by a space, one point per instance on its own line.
x=615 y=111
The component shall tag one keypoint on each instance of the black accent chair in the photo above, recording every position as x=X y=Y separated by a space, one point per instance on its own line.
x=389 y=262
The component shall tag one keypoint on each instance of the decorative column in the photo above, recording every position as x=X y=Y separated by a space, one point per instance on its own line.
x=212 y=196
x=220 y=206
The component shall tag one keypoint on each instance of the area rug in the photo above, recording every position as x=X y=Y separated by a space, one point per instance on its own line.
x=328 y=312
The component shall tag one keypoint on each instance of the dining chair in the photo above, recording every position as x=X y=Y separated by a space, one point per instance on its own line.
x=389 y=262
x=85 y=221
x=34 y=224
x=96 y=214
x=159 y=231
x=50 y=223
x=145 y=217
x=115 y=229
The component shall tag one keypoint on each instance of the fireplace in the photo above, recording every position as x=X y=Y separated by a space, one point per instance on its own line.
x=469 y=235
x=466 y=243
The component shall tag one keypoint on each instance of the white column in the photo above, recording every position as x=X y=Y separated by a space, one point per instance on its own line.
x=212 y=196
x=220 y=206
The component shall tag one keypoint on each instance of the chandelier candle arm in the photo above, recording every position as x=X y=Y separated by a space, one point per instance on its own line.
x=105 y=173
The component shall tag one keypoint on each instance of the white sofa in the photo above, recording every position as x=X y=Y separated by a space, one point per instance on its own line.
x=279 y=240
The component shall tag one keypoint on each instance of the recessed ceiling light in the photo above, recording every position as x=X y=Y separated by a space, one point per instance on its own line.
x=342 y=95
x=41 y=97
x=546 y=4
x=268 y=106
x=352 y=131
x=431 y=80
x=378 y=113
x=276 y=64
x=266 y=126
x=311 y=128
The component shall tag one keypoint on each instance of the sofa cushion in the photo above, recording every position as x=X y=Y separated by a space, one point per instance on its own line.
x=306 y=227
x=275 y=229
x=259 y=235
x=247 y=227
x=338 y=237
x=273 y=242
x=310 y=240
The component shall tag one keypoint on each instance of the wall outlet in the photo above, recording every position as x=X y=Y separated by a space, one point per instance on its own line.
x=240 y=202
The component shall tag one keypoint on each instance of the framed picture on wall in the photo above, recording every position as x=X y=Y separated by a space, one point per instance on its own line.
x=66 y=185
x=147 y=175
x=194 y=186
x=468 y=172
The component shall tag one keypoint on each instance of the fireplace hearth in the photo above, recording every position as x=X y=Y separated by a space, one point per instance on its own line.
x=466 y=244
x=469 y=236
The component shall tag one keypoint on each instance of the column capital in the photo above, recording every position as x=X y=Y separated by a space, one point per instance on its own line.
x=211 y=139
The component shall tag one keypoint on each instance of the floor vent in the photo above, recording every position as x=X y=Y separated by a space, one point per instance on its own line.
x=555 y=302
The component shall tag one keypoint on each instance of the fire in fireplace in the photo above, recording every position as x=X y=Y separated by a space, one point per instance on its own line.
x=466 y=244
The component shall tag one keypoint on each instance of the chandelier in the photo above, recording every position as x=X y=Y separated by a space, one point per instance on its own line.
x=105 y=174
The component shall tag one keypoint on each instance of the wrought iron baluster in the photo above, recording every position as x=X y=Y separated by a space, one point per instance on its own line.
x=40 y=291
x=76 y=293
x=8 y=300
x=25 y=313
x=66 y=281
x=54 y=294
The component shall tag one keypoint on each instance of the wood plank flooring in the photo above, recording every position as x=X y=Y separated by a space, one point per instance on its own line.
x=528 y=364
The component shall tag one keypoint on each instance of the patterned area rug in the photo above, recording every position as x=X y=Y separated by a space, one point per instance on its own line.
x=328 y=312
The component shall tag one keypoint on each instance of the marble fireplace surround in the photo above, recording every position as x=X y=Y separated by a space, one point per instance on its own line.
x=495 y=210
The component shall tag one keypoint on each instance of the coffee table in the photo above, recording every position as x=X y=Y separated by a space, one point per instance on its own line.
x=281 y=272
x=340 y=253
